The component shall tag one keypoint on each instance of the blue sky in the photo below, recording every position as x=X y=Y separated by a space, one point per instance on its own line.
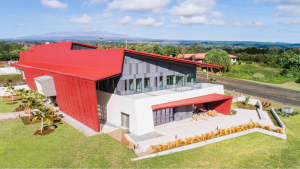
x=226 y=20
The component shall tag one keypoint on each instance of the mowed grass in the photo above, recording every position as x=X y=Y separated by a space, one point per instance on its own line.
x=8 y=108
x=68 y=148
x=259 y=73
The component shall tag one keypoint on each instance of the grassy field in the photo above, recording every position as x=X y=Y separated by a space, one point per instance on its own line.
x=8 y=108
x=68 y=148
x=259 y=73
x=12 y=78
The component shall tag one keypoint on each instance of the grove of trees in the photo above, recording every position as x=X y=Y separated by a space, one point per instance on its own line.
x=11 y=51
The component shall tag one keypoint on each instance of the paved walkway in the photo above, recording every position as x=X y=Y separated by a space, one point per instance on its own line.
x=12 y=115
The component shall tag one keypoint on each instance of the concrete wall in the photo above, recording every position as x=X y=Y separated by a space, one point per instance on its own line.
x=139 y=110
x=9 y=70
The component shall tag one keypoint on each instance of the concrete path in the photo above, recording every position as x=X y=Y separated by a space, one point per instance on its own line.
x=12 y=115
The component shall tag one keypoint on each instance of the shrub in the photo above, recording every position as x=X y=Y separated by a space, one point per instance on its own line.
x=298 y=80
x=212 y=80
x=240 y=63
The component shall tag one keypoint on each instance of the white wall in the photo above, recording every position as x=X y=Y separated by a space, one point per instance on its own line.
x=140 y=110
x=9 y=70
x=3 y=89
x=144 y=110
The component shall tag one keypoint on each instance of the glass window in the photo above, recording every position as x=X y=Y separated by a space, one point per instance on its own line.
x=147 y=84
x=191 y=79
x=130 y=86
x=180 y=80
x=138 y=85
x=125 y=87
x=160 y=83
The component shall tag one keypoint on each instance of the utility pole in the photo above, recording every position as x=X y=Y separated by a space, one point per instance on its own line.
x=207 y=70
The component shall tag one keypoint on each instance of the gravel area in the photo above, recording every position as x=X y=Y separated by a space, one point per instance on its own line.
x=144 y=137
x=78 y=125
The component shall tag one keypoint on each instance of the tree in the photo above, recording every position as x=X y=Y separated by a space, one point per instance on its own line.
x=170 y=51
x=157 y=49
x=218 y=57
x=196 y=48
x=178 y=50
x=11 y=90
x=273 y=50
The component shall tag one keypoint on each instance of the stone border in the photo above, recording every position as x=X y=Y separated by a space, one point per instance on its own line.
x=277 y=119
x=200 y=144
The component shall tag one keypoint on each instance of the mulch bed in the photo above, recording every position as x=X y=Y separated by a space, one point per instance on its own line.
x=11 y=103
x=26 y=121
x=44 y=133
x=8 y=99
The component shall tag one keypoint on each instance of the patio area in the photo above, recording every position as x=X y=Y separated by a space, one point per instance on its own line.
x=190 y=128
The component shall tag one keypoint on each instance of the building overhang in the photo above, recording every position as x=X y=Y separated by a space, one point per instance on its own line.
x=195 y=100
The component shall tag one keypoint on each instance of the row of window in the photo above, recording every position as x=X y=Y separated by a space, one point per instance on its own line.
x=172 y=81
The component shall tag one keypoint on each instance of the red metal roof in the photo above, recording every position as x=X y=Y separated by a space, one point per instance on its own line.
x=80 y=72
x=90 y=64
x=190 y=101
x=199 y=56
x=171 y=58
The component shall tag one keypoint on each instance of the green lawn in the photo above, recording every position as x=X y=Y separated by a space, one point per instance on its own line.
x=260 y=73
x=8 y=108
x=68 y=148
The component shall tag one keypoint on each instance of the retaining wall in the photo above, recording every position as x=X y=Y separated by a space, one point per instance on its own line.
x=200 y=144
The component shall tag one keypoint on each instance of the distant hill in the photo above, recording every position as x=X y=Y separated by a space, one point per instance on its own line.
x=75 y=35
x=93 y=36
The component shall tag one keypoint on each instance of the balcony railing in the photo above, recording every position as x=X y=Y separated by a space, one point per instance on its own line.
x=187 y=87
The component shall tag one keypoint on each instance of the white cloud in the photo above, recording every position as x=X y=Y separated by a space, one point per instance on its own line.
x=253 y=23
x=193 y=7
x=158 y=24
x=290 y=22
x=85 y=19
x=289 y=10
x=106 y=15
x=193 y=20
x=20 y=25
x=55 y=4
x=148 y=22
x=91 y=2
x=217 y=22
x=217 y=14
x=172 y=26
x=125 y=20
x=138 y=5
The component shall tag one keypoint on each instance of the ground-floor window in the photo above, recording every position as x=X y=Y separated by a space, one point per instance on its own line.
x=162 y=116
x=147 y=85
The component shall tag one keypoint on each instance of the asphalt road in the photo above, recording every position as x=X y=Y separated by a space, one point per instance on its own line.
x=258 y=91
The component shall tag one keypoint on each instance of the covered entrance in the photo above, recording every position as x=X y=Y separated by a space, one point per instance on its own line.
x=162 y=113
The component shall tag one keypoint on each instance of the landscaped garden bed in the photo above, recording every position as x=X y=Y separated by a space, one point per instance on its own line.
x=28 y=120
x=213 y=134
x=44 y=133
x=242 y=105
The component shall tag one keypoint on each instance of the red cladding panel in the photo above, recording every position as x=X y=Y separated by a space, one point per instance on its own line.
x=75 y=96
x=201 y=99
x=222 y=106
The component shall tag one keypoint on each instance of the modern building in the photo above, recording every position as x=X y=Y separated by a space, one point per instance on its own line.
x=200 y=56
x=121 y=87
